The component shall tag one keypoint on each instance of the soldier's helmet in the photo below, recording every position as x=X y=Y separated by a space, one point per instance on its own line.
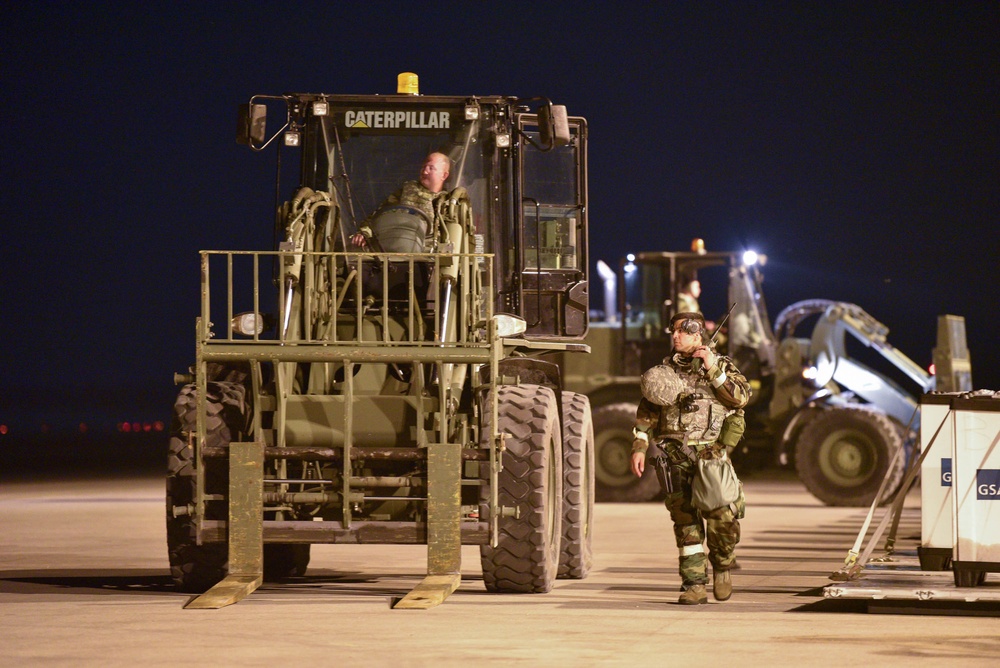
x=661 y=385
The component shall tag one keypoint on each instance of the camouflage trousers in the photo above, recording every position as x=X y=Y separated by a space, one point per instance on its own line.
x=692 y=527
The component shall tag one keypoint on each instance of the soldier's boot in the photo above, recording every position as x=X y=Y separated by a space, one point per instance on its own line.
x=694 y=595
x=722 y=585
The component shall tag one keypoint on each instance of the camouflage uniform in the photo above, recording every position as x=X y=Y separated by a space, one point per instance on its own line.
x=681 y=414
x=687 y=302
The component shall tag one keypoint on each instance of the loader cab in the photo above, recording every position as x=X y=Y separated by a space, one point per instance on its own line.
x=527 y=186
x=648 y=296
x=550 y=254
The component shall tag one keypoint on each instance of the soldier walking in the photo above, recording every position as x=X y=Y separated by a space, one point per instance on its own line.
x=692 y=409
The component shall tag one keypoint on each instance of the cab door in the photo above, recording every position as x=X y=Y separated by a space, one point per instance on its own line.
x=551 y=254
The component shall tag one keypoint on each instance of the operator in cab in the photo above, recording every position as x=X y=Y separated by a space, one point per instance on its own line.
x=691 y=410
x=404 y=222
x=687 y=298
x=687 y=301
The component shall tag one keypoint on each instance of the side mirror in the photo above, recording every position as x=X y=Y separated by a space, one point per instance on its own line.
x=252 y=124
x=553 y=125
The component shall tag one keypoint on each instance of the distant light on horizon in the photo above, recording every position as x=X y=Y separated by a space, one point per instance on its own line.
x=140 y=427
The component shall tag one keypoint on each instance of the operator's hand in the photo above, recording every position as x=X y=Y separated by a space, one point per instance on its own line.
x=706 y=355
x=638 y=463
x=359 y=240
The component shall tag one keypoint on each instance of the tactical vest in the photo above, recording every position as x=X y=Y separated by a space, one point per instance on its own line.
x=695 y=416
x=400 y=230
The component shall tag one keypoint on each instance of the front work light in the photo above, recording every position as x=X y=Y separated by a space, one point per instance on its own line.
x=509 y=325
x=248 y=324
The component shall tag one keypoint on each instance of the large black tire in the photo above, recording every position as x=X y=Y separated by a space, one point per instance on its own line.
x=844 y=453
x=526 y=558
x=613 y=453
x=194 y=568
x=576 y=552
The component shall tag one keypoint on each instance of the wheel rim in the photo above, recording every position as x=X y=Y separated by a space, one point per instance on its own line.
x=613 y=457
x=845 y=456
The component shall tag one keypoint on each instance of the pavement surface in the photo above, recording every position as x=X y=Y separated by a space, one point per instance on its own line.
x=84 y=582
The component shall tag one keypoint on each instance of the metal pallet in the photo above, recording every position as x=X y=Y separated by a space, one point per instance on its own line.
x=899 y=578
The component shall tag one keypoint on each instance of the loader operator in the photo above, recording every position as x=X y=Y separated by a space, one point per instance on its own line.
x=404 y=222
x=696 y=391
x=687 y=298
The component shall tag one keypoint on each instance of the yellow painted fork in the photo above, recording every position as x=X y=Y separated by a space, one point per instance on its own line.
x=246 y=529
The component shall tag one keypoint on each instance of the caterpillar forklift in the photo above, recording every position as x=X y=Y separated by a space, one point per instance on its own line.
x=831 y=396
x=393 y=390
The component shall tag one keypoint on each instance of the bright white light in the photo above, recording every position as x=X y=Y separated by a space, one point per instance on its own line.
x=750 y=258
x=605 y=272
x=630 y=257
x=292 y=138
x=509 y=325
x=825 y=367
x=248 y=324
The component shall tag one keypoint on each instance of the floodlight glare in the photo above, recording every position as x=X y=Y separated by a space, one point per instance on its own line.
x=509 y=325
x=248 y=324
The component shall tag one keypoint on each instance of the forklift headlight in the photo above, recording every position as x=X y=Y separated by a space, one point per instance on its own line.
x=825 y=368
x=503 y=141
x=750 y=258
x=292 y=138
x=509 y=325
x=248 y=324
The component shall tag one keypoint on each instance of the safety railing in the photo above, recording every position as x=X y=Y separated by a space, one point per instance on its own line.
x=322 y=299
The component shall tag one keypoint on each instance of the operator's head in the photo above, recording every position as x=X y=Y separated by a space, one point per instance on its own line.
x=435 y=172
x=687 y=330
x=693 y=288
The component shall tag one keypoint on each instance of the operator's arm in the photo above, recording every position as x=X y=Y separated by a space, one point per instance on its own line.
x=364 y=236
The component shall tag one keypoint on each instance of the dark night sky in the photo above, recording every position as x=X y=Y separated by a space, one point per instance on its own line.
x=856 y=144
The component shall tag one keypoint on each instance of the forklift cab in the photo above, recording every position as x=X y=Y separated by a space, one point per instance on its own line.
x=648 y=296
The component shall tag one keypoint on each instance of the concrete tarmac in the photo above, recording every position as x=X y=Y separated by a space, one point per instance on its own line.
x=84 y=582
